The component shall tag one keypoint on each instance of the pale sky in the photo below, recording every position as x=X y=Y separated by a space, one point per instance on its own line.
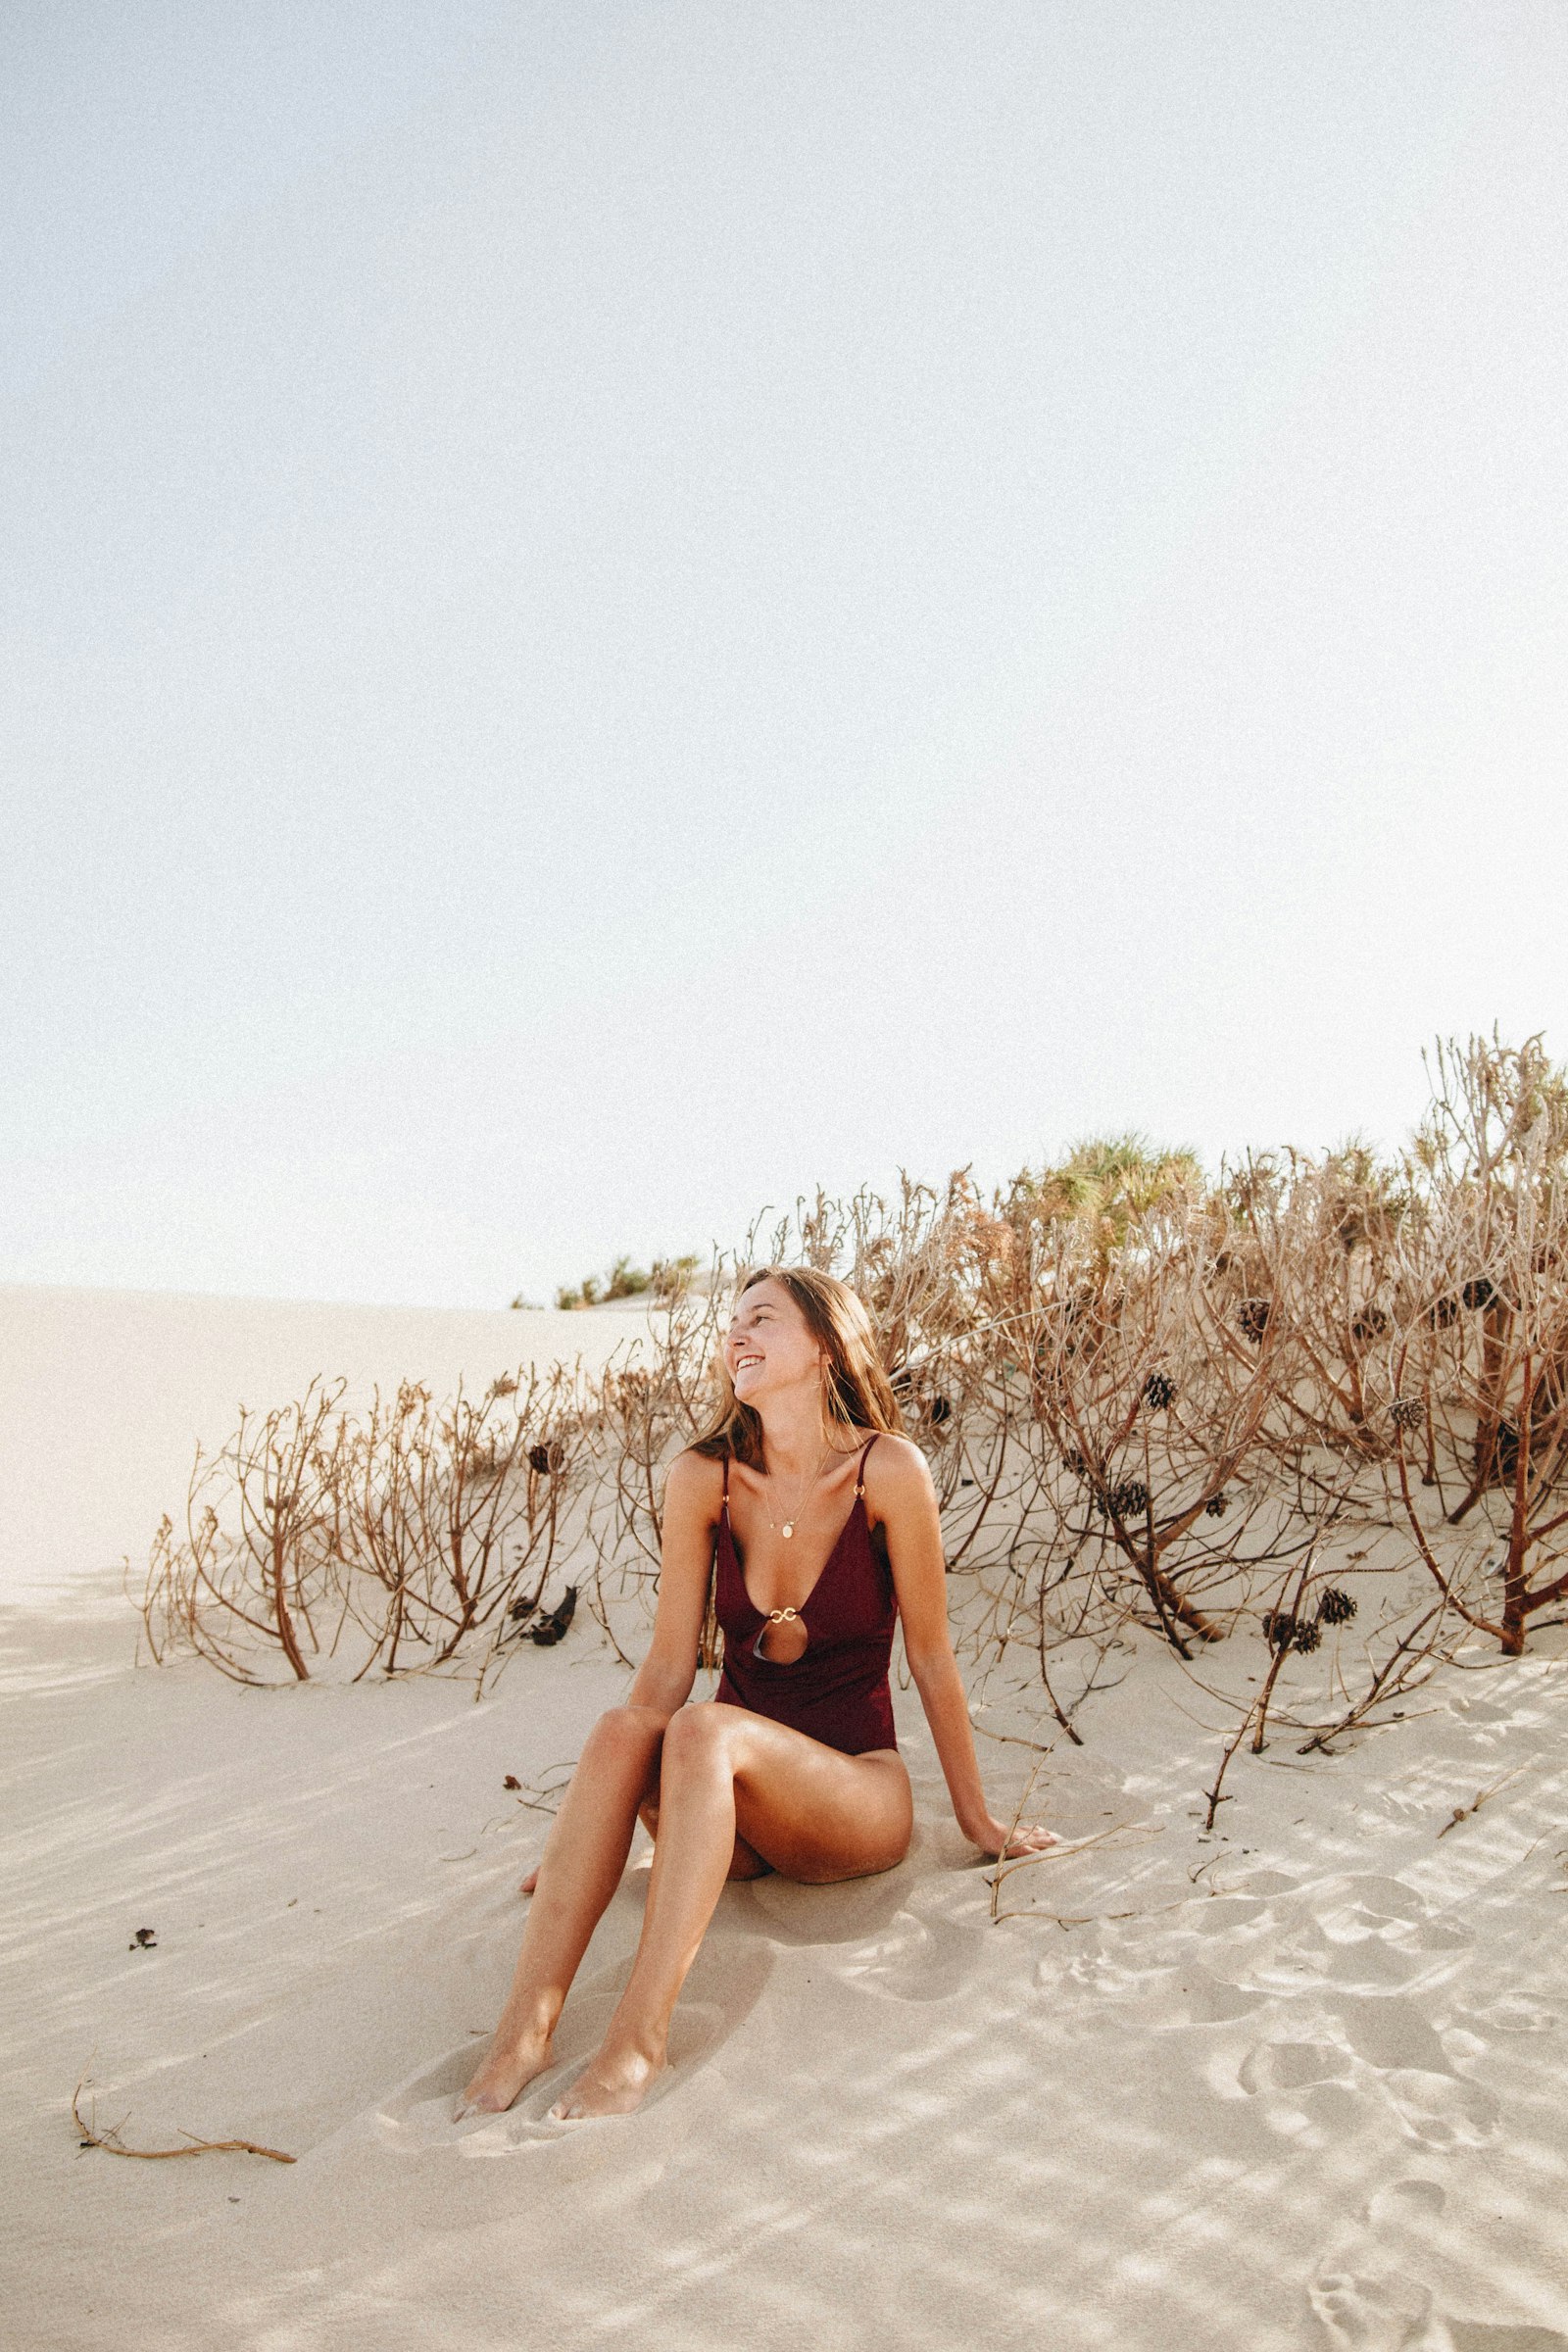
x=612 y=612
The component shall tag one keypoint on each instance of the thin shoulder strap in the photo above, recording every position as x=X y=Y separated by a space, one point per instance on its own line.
x=724 y=1505
x=859 y=1475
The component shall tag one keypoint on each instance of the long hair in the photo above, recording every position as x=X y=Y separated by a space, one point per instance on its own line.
x=856 y=1391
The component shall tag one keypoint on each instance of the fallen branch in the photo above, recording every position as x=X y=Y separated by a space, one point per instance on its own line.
x=111 y=2141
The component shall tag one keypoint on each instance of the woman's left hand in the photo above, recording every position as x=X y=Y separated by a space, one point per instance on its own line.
x=1029 y=1837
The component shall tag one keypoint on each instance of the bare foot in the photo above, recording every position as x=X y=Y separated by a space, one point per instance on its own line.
x=611 y=2084
x=507 y=2066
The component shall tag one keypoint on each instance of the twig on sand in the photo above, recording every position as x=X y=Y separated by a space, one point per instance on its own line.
x=539 y=1797
x=1012 y=1826
x=1057 y=1853
x=111 y=2141
x=1465 y=1812
x=1088 y=1919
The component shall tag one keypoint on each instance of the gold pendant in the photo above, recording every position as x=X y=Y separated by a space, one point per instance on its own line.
x=788 y=1528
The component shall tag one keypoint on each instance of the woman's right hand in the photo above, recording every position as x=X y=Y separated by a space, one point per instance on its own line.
x=1029 y=1837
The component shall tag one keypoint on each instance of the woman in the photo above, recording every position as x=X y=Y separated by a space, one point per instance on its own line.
x=795 y=1766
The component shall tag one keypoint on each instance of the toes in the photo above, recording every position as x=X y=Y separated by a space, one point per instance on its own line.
x=479 y=2102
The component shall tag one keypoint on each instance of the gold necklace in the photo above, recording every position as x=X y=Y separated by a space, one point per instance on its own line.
x=788 y=1528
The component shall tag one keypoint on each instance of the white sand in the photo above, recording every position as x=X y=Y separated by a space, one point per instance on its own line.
x=1297 y=2084
x=105 y=1393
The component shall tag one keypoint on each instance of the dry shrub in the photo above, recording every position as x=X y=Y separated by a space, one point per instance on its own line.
x=1146 y=1401
x=392 y=1539
x=1482 y=1362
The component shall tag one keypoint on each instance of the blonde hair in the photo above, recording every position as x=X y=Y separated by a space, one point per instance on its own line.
x=856 y=1391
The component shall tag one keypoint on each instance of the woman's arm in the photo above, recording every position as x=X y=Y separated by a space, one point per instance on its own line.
x=666 y=1676
x=905 y=1502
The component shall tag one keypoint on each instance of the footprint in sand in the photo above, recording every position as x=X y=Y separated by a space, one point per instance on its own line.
x=914 y=1960
x=1193 y=1997
x=1166 y=1997
x=1237 y=1936
x=1376 y=2308
x=1369 y=2296
x=1511 y=2013
x=1440 y=2111
x=1295 y=2066
x=1367 y=2291
x=1226 y=1916
x=1304 y=2090
x=1393 y=2033
x=1105 y=1979
x=1370 y=1935
x=1437 y=2110
x=1383 y=1911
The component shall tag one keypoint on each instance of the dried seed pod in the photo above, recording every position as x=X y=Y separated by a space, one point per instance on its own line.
x=1335 y=1607
x=1217 y=1506
x=938 y=1411
x=1444 y=1312
x=1481 y=1291
x=549 y=1630
x=1279 y=1628
x=548 y=1459
x=1129 y=1499
x=1160 y=1391
x=1407 y=1412
x=1252 y=1315
x=1306 y=1635
x=1075 y=1461
x=1369 y=1325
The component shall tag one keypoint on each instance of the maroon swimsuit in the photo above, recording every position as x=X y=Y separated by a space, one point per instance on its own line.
x=837 y=1689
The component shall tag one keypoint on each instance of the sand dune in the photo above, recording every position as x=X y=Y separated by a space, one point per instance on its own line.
x=1293 y=2085
x=104 y=1395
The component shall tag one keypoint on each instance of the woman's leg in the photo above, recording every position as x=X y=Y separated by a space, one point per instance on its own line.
x=578 y=1872
x=744 y=1863
x=808 y=1810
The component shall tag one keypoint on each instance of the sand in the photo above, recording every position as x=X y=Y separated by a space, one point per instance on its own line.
x=1296 y=2084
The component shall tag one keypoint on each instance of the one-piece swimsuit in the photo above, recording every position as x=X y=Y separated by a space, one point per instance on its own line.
x=837 y=1689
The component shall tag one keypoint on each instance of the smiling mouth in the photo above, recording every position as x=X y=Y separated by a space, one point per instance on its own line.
x=741 y=1362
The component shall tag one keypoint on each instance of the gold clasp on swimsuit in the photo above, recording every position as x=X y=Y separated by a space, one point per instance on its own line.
x=779 y=1616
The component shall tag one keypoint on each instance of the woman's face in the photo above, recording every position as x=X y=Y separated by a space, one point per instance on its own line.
x=769 y=1346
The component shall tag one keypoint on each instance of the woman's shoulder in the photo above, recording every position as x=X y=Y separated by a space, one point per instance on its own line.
x=695 y=1480
x=895 y=1466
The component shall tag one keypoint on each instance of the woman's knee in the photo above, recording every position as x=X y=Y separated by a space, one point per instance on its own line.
x=695 y=1735
x=627 y=1732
